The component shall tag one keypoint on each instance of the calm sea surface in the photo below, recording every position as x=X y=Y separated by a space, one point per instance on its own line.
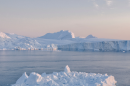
x=14 y=63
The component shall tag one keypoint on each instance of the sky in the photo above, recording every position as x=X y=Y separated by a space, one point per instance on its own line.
x=34 y=18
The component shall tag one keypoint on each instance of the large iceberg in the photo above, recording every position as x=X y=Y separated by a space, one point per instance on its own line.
x=121 y=45
x=62 y=40
x=65 y=78
x=11 y=41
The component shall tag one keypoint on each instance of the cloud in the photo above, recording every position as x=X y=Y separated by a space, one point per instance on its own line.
x=109 y=2
x=96 y=5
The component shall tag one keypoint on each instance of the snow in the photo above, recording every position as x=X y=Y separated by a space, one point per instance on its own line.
x=3 y=35
x=67 y=69
x=14 y=36
x=22 y=78
x=59 y=35
x=65 y=78
x=62 y=40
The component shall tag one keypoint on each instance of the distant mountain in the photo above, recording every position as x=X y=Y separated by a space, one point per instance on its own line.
x=63 y=34
x=90 y=36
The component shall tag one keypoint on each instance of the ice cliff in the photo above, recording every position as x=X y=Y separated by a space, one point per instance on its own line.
x=97 y=46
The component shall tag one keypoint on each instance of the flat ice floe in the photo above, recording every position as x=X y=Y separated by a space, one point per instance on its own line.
x=65 y=78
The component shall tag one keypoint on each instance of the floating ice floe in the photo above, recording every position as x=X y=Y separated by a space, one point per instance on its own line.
x=65 y=78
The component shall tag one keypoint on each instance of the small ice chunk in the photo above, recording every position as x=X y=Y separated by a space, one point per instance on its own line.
x=67 y=69
x=123 y=51
x=110 y=81
x=22 y=79
x=34 y=78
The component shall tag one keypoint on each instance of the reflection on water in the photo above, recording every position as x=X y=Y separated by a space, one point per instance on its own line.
x=14 y=63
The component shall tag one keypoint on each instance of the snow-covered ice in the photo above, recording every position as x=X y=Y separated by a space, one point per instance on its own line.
x=62 y=40
x=3 y=35
x=65 y=78
x=63 y=34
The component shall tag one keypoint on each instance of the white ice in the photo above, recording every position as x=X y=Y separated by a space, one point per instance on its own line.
x=62 y=40
x=65 y=78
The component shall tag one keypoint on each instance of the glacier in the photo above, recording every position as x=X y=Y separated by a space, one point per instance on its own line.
x=63 y=40
x=65 y=78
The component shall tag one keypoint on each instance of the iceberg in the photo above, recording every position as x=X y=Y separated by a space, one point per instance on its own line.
x=90 y=36
x=63 y=34
x=65 y=78
x=104 y=46
x=62 y=40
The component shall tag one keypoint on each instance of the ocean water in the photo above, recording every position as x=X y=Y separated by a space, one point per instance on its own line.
x=14 y=63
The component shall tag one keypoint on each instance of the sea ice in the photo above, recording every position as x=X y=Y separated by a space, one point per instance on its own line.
x=65 y=78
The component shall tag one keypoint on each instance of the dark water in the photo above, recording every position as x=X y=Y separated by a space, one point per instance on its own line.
x=14 y=63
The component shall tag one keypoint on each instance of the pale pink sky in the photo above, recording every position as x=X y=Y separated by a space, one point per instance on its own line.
x=101 y=18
